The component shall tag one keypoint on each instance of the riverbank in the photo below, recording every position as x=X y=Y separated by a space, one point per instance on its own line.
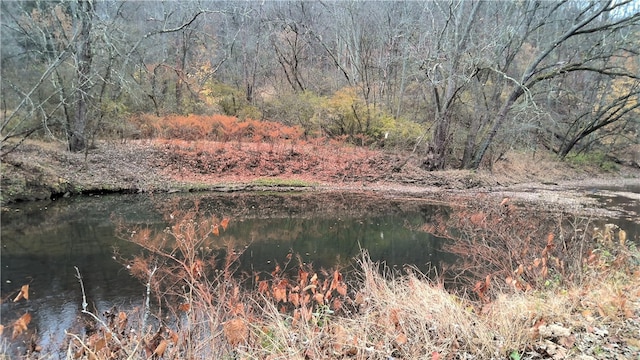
x=42 y=170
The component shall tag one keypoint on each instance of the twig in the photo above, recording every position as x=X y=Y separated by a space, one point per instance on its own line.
x=84 y=296
x=147 y=309
x=82 y=343
x=114 y=336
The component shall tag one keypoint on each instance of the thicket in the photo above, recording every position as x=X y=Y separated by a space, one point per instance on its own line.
x=538 y=76
x=212 y=127
x=342 y=116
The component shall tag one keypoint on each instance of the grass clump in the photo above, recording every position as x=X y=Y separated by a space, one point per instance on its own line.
x=593 y=158
x=280 y=182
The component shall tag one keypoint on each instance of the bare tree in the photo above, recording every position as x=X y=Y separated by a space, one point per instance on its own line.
x=449 y=69
x=565 y=25
x=488 y=65
x=84 y=52
x=482 y=76
x=83 y=13
x=291 y=39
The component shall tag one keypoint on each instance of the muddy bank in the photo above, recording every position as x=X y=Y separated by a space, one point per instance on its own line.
x=40 y=170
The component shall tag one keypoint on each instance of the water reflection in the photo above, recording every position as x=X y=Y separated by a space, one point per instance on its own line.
x=626 y=201
x=43 y=241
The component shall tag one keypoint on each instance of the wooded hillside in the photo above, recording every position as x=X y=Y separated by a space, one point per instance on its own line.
x=459 y=82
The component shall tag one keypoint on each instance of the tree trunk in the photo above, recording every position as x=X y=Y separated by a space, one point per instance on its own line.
x=77 y=140
x=470 y=144
x=436 y=159
x=183 y=48
x=459 y=38
x=502 y=115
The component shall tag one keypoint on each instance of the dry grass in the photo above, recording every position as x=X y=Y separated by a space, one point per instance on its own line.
x=518 y=167
x=206 y=312
x=408 y=316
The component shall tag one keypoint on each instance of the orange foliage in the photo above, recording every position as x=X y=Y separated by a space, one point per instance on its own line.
x=224 y=223
x=501 y=241
x=20 y=325
x=236 y=331
x=212 y=127
x=23 y=294
x=302 y=292
x=315 y=160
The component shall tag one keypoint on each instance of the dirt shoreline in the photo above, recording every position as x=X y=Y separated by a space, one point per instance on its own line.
x=40 y=170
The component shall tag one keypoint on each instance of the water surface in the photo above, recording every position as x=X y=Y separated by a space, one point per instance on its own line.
x=43 y=242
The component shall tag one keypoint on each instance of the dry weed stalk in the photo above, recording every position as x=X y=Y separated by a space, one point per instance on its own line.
x=199 y=302
x=501 y=247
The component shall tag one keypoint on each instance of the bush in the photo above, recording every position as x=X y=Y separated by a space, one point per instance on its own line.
x=232 y=101
x=592 y=158
x=398 y=133
x=345 y=114
x=212 y=127
x=295 y=109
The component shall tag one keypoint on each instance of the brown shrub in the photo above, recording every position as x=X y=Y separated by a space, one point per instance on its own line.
x=212 y=127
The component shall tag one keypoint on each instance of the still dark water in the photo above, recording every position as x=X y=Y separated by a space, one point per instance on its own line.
x=42 y=242
x=625 y=200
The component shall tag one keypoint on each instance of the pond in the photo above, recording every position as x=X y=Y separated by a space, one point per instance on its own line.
x=43 y=242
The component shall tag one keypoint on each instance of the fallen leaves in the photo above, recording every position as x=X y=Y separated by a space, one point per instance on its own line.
x=23 y=294
x=553 y=331
x=555 y=339
x=236 y=331
x=20 y=325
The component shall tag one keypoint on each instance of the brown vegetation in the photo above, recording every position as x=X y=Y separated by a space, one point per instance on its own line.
x=538 y=302
x=529 y=285
x=180 y=153
x=217 y=127
x=394 y=73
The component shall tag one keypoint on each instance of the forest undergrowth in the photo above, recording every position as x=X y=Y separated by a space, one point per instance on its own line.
x=523 y=288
